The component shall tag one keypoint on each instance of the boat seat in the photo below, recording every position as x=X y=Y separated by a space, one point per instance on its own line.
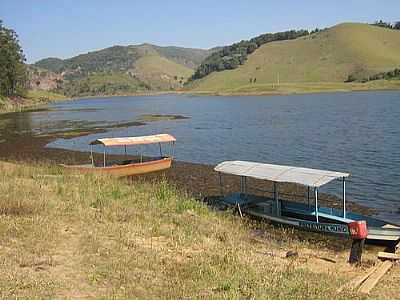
x=267 y=207
x=320 y=214
x=295 y=210
x=332 y=217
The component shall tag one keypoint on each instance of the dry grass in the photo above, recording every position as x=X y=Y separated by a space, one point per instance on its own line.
x=64 y=236
x=304 y=88
x=161 y=73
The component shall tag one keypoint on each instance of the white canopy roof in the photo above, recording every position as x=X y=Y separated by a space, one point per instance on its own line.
x=277 y=173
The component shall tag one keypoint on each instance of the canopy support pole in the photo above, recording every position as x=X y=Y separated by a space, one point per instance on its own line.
x=125 y=150
x=172 y=149
x=91 y=155
x=104 y=157
x=344 y=197
x=243 y=180
x=276 y=198
x=316 y=203
x=221 y=187
x=308 y=197
x=160 y=149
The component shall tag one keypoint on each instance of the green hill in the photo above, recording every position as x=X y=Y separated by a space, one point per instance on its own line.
x=124 y=69
x=52 y=64
x=324 y=59
x=189 y=57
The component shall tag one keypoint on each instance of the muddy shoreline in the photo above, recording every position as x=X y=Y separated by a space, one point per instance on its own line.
x=198 y=180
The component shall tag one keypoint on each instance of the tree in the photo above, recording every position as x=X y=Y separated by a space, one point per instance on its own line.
x=13 y=72
x=350 y=78
x=383 y=24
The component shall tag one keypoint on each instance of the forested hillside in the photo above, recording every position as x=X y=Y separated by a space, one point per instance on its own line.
x=124 y=69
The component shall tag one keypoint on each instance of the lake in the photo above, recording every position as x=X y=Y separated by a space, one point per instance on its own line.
x=353 y=132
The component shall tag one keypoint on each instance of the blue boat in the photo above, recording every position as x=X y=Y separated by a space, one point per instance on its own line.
x=300 y=215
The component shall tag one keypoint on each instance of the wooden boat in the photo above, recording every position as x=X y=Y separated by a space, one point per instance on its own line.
x=300 y=215
x=129 y=167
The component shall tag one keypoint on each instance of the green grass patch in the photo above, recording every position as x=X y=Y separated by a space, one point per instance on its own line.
x=44 y=96
x=30 y=99
x=328 y=56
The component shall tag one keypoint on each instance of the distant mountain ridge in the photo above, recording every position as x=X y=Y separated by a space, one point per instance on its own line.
x=288 y=61
x=122 y=69
x=121 y=57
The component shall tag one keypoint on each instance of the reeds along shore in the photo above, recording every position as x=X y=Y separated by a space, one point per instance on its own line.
x=70 y=235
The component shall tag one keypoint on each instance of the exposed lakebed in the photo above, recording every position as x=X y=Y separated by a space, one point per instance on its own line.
x=354 y=132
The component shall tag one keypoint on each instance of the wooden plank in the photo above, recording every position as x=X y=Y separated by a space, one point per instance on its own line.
x=356 y=282
x=369 y=284
x=387 y=255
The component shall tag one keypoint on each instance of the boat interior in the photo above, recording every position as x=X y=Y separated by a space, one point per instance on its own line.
x=128 y=161
x=131 y=160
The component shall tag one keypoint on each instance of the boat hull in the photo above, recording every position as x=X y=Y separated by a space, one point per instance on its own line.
x=300 y=216
x=126 y=170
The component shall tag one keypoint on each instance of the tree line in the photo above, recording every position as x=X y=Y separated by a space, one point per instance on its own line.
x=389 y=75
x=380 y=23
x=13 y=71
x=394 y=74
x=230 y=57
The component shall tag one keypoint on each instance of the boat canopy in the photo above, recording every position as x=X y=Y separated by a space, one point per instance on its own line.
x=277 y=173
x=135 y=140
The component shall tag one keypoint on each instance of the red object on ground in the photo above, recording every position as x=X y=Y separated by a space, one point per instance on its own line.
x=358 y=230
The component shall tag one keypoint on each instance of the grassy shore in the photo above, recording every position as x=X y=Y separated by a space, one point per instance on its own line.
x=31 y=99
x=65 y=235
x=301 y=88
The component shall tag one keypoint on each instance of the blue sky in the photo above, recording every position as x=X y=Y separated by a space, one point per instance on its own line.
x=60 y=28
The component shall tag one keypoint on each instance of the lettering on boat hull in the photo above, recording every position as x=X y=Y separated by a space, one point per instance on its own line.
x=324 y=227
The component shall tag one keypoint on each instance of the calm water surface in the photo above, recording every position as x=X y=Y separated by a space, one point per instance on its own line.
x=354 y=132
